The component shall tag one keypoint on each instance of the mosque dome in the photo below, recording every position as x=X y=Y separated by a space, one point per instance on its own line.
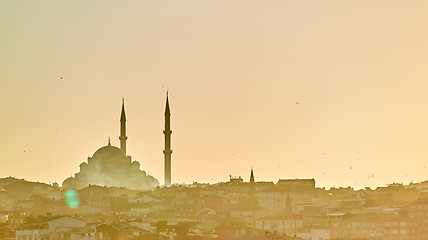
x=108 y=152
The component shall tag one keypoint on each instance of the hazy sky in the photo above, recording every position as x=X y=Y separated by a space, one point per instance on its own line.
x=234 y=71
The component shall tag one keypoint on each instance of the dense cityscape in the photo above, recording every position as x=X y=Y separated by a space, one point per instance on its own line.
x=237 y=209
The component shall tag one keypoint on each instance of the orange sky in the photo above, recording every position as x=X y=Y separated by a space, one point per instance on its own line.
x=234 y=70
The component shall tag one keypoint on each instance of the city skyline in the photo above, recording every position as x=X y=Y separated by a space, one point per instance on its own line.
x=330 y=91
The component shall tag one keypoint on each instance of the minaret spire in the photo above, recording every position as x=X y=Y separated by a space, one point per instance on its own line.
x=252 y=176
x=123 y=136
x=167 y=152
x=167 y=106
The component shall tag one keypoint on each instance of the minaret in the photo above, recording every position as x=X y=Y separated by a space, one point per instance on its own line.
x=252 y=177
x=167 y=152
x=123 y=136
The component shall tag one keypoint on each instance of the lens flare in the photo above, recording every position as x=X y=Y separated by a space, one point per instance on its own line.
x=71 y=199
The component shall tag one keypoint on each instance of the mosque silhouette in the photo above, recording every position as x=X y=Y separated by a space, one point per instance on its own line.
x=110 y=166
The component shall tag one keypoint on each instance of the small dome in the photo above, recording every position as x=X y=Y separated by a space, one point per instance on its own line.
x=108 y=152
x=135 y=163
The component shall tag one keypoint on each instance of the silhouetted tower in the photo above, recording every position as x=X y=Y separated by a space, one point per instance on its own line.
x=167 y=152
x=252 y=177
x=123 y=136
x=253 y=200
